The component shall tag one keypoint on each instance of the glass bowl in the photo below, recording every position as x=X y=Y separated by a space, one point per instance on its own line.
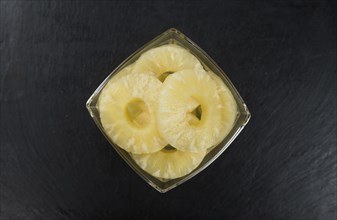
x=173 y=36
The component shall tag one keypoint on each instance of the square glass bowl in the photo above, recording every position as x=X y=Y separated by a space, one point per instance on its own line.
x=173 y=36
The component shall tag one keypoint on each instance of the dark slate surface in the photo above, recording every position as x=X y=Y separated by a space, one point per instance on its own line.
x=55 y=164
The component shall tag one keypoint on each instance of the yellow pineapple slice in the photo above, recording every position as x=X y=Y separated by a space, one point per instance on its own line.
x=169 y=164
x=184 y=93
x=127 y=110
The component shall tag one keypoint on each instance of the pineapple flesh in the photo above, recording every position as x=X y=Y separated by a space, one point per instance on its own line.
x=127 y=112
x=165 y=60
x=181 y=94
x=228 y=109
x=169 y=164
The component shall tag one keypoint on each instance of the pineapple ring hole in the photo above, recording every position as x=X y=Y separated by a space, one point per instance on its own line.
x=195 y=116
x=169 y=149
x=137 y=113
x=163 y=76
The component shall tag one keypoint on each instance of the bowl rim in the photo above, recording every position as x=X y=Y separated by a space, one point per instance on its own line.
x=243 y=117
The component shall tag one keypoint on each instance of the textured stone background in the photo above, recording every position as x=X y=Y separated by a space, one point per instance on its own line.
x=55 y=164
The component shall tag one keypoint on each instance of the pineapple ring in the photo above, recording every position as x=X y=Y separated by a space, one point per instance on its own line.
x=123 y=72
x=127 y=113
x=229 y=109
x=181 y=94
x=166 y=59
x=169 y=164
